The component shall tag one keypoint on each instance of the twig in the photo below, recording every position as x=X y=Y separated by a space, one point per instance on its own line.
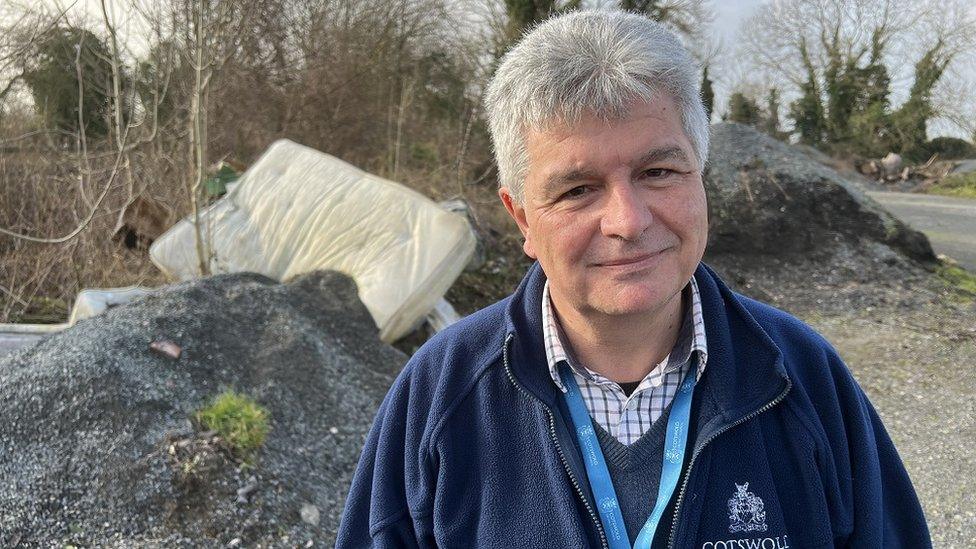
x=12 y=295
x=82 y=138
x=91 y=214
x=464 y=147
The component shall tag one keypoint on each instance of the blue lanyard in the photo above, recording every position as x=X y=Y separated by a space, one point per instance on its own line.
x=596 y=465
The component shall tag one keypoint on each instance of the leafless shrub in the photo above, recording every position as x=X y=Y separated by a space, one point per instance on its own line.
x=392 y=87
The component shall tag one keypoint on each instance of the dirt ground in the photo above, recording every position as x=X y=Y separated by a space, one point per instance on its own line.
x=917 y=368
x=910 y=341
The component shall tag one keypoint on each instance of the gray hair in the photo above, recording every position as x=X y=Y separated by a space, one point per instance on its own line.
x=588 y=62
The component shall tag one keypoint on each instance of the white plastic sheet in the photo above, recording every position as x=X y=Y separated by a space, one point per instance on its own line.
x=95 y=301
x=297 y=210
x=442 y=315
x=15 y=336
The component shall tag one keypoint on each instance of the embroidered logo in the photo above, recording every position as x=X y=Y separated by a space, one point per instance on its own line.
x=746 y=511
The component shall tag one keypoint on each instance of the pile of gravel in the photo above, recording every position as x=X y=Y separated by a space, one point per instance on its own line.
x=97 y=446
x=767 y=197
x=788 y=229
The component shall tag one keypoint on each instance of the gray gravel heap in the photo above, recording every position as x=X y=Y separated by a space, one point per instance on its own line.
x=95 y=428
x=767 y=197
x=965 y=166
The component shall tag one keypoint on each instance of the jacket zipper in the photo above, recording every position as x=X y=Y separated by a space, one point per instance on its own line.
x=698 y=449
x=559 y=450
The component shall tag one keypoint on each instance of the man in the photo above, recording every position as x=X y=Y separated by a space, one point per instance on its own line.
x=623 y=395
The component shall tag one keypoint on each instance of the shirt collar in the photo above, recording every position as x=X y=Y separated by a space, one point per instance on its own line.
x=690 y=338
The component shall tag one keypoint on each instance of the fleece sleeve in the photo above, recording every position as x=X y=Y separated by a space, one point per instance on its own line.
x=876 y=504
x=388 y=503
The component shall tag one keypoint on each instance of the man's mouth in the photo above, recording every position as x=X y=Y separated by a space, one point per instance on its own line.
x=631 y=259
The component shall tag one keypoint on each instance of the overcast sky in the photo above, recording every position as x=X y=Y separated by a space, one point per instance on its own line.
x=729 y=14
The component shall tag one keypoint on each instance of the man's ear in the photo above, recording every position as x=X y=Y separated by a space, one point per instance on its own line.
x=517 y=212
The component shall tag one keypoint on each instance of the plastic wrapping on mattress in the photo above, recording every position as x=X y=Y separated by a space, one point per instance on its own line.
x=297 y=210
x=95 y=301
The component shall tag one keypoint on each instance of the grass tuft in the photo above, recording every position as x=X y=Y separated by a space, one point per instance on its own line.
x=963 y=281
x=239 y=420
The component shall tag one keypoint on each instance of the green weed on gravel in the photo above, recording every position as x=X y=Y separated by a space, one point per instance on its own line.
x=963 y=281
x=239 y=420
x=962 y=185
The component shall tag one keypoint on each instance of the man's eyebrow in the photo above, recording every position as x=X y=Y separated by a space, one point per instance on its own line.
x=558 y=179
x=561 y=178
x=671 y=152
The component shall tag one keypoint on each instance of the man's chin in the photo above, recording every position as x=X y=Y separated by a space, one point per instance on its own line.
x=631 y=302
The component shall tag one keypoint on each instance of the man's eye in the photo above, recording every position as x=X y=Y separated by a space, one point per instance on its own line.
x=576 y=192
x=656 y=173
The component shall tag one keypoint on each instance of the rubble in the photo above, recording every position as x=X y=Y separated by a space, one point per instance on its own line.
x=166 y=348
x=97 y=442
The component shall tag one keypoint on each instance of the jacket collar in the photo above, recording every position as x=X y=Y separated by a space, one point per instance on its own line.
x=745 y=367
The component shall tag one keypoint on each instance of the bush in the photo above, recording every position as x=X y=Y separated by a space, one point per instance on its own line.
x=963 y=184
x=239 y=420
x=743 y=110
x=53 y=79
x=950 y=148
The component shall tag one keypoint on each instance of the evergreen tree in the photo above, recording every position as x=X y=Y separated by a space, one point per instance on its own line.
x=522 y=14
x=681 y=17
x=708 y=94
x=870 y=123
x=910 y=120
x=807 y=112
x=161 y=81
x=743 y=110
x=841 y=77
x=874 y=81
x=53 y=80
x=770 y=119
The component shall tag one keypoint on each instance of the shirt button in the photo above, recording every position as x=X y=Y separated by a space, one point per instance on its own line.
x=632 y=405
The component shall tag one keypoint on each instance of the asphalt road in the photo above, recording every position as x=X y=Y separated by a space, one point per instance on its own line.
x=949 y=222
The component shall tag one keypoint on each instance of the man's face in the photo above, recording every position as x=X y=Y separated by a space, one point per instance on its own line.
x=614 y=212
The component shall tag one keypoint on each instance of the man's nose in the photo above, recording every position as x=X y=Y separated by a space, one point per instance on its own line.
x=625 y=215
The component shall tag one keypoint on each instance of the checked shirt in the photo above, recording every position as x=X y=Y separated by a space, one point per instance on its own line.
x=627 y=418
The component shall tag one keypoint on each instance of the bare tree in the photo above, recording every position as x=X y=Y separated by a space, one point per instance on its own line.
x=390 y=86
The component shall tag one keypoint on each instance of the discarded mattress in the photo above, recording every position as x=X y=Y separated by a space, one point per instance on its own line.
x=298 y=210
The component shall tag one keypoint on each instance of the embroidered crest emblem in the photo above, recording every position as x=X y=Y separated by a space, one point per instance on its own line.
x=746 y=511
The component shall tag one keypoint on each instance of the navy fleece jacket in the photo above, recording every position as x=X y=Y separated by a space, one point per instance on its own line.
x=472 y=447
